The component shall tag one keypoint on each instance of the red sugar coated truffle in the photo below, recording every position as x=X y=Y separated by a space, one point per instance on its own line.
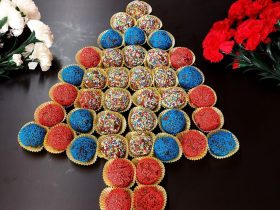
x=181 y=56
x=202 y=96
x=89 y=57
x=64 y=94
x=194 y=144
x=59 y=137
x=208 y=118
x=118 y=199
x=49 y=114
x=149 y=171
x=148 y=197
x=120 y=173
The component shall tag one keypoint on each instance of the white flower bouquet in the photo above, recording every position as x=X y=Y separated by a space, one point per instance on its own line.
x=24 y=39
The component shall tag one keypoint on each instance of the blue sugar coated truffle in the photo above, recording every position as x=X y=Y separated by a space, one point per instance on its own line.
x=32 y=135
x=73 y=74
x=81 y=120
x=166 y=148
x=83 y=149
x=189 y=77
x=160 y=39
x=111 y=39
x=221 y=143
x=173 y=121
x=134 y=36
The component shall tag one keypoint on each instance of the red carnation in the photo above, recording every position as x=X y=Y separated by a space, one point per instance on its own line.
x=218 y=40
x=271 y=13
x=255 y=7
x=237 y=10
x=249 y=33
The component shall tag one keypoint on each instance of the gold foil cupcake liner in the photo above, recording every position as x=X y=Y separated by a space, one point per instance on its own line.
x=131 y=134
x=169 y=34
x=166 y=68
x=147 y=64
x=175 y=48
x=90 y=70
x=189 y=92
x=232 y=152
x=138 y=92
x=160 y=188
x=114 y=16
x=77 y=103
x=105 y=173
x=30 y=148
x=117 y=89
x=161 y=135
x=115 y=68
x=216 y=110
x=103 y=137
x=136 y=161
x=100 y=36
x=148 y=71
x=188 y=121
x=201 y=155
x=56 y=85
x=69 y=154
x=120 y=116
x=103 y=55
x=38 y=109
x=137 y=108
x=60 y=72
x=93 y=47
x=162 y=91
x=51 y=149
x=93 y=114
x=105 y=192
x=144 y=50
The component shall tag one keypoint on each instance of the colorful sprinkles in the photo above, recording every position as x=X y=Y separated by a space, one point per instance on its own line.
x=112 y=58
x=147 y=98
x=140 y=77
x=142 y=119
x=118 y=77
x=138 y=9
x=149 y=23
x=140 y=143
x=89 y=99
x=109 y=122
x=165 y=77
x=174 y=98
x=157 y=58
x=117 y=99
x=134 y=55
x=121 y=21
x=112 y=146
x=95 y=78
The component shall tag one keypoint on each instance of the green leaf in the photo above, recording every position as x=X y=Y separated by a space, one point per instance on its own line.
x=3 y=21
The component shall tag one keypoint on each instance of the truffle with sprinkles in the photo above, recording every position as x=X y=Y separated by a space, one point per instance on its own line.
x=160 y=78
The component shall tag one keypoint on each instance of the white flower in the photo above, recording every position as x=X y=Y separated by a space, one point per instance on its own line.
x=17 y=59
x=42 y=31
x=32 y=65
x=28 y=8
x=28 y=50
x=42 y=54
x=15 y=20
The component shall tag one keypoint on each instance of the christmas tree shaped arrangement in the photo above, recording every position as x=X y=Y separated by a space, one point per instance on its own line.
x=125 y=100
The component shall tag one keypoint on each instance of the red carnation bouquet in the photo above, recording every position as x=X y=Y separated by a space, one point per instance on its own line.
x=250 y=35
